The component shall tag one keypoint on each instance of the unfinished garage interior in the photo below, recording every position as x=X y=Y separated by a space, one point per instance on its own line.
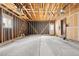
x=39 y=29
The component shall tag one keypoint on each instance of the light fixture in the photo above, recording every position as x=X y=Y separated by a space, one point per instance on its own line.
x=62 y=11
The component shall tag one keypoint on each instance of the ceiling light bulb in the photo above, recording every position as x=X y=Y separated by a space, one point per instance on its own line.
x=62 y=11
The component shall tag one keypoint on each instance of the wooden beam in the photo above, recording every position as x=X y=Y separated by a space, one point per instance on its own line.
x=55 y=9
x=46 y=9
x=26 y=10
x=12 y=7
x=51 y=11
x=32 y=10
x=56 y=5
x=10 y=12
x=41 y=12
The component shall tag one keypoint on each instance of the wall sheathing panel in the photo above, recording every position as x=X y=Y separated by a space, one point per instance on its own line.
x=72 y=19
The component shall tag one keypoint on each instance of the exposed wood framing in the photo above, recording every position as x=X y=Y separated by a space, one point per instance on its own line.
x=33 y=29
x=26 y=10
x=46 y=10
x=32 y=10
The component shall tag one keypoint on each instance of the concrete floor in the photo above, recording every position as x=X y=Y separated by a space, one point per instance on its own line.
x=40 y=45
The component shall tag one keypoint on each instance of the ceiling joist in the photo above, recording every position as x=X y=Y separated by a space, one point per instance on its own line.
x=26 y=11
x=32 y=10
x=35 y=11
x=46 y=10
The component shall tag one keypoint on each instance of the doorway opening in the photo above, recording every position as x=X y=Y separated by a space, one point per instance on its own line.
x=63 y=28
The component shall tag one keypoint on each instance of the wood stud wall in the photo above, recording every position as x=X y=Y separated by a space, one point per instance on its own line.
x=38 y=27
x=71 y=17
x=0 y=25
x=19 y=28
